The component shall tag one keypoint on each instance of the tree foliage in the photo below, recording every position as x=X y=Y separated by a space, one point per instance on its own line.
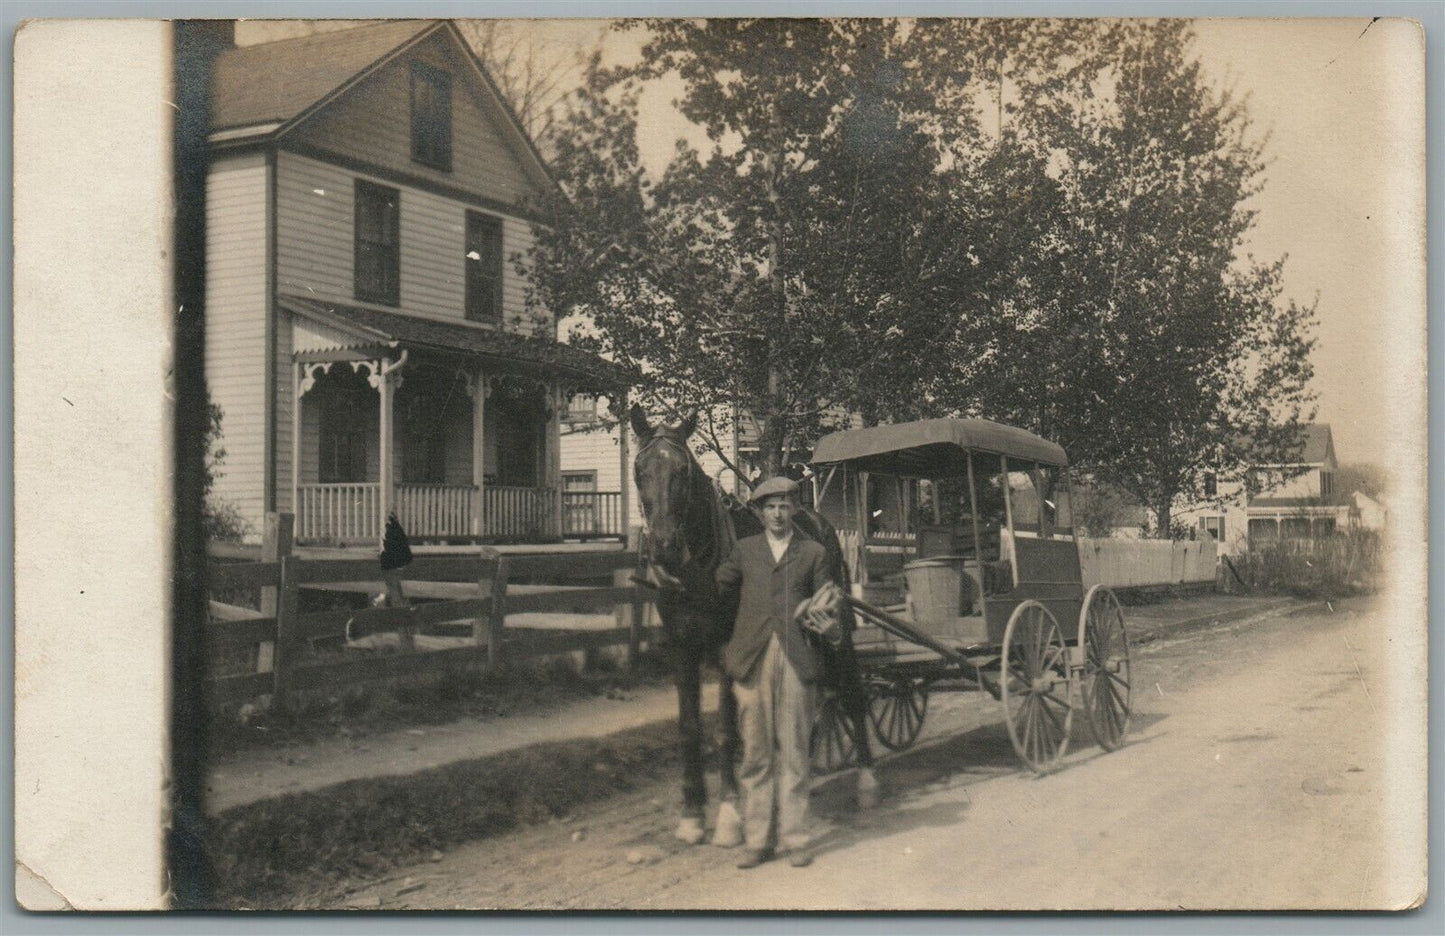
x=1040 y=222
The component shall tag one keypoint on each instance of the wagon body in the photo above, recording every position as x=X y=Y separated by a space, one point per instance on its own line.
x=1010 y=528
x=966 y=570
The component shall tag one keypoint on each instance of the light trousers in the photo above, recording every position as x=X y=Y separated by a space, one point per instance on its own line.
x=775 y=718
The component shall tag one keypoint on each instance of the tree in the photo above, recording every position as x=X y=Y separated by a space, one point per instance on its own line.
x=534 y=76
x=791 y=270
x=219 y=520
x=1145 y=342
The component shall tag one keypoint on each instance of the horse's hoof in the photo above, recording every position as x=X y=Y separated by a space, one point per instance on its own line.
x=867 y=789
x=729 y=831
x=690 y=830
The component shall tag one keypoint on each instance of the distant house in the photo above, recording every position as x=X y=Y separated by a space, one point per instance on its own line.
x=1372 y=513
x=367 y=336
x=1297 y=500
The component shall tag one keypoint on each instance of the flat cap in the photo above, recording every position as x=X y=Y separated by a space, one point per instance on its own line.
x=773 y=486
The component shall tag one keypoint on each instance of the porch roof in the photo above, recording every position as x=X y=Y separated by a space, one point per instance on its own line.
x=375 y=328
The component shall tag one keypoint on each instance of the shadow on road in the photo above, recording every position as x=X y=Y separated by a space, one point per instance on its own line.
x=950 y=762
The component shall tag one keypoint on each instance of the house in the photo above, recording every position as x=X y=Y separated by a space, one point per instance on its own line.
x=369 y=212
x=1372 y=513
x=1298 y=500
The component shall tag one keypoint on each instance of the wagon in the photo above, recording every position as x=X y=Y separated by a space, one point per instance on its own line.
x=966 y=577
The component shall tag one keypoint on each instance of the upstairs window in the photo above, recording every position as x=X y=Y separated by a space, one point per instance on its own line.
x=378 y=243
x=484 y=267
x=1211 y=484
x=431 y=117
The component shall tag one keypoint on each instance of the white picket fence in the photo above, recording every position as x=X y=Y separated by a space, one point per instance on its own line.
x=1131 y=563
x=1117 y=563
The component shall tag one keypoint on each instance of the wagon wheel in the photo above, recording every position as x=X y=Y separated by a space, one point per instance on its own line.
x=1035 y=686
x=896 y=710
x=833 y=743
x=1104 y=679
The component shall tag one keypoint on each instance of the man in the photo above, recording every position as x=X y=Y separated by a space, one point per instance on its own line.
x=774 y=665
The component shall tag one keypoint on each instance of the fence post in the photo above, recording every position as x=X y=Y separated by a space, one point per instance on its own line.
x=497 y=617
x=487 y=559
x=628 y=612
x=275 y=544
x=637 y=620
x=286 y=643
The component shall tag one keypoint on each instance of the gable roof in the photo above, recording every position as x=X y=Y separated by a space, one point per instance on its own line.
x=271 y=86
x=274 y=82
x=1318 y=444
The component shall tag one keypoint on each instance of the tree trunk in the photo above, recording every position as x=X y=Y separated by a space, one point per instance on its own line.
x=1164 y=519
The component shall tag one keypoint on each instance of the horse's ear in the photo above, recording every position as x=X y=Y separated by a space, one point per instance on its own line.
x=689 y=423
x=639 y=423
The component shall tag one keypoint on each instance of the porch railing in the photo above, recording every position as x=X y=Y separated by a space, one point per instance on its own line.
x=587 y=514
x=341 y=513
x=509 y=510
x=338 y=512
x=435 y=509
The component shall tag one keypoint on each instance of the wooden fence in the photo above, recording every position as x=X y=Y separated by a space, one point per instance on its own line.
x=474 y=594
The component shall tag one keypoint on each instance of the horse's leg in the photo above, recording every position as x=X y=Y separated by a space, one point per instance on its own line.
x=854 y=702
x=729 y=830
x=689 y=725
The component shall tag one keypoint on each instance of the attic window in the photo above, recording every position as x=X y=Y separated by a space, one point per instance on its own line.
x=431 y=117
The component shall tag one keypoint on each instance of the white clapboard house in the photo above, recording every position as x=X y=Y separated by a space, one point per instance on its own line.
x=367 y=333
x=1294 y=501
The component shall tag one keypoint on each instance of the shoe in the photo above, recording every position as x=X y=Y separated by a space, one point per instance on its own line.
x=800 y=858
x=754 y=857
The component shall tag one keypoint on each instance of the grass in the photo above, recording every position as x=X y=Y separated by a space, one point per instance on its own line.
x=291 y=851
x=370 y=709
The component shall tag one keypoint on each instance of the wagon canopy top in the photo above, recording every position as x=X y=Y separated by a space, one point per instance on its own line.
x=931 y=447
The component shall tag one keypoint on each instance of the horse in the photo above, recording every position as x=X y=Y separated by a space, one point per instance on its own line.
x=691 y=526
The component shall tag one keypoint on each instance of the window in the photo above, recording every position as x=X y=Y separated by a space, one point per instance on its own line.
x=1211 y=484
x=1327 y=484
x=581 y=409
x=424 y=445
x=579 y=482
x=343 y=438
x=1213 y=526
x=484 y=267
x=431 y=117
x=378 y=243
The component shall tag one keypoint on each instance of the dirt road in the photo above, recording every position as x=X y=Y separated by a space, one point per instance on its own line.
x=1255 y=776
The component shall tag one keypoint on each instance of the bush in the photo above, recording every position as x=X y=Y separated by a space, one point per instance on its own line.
x=1323 y=567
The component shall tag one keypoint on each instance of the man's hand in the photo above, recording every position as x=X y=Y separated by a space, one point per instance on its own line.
x=819 y=613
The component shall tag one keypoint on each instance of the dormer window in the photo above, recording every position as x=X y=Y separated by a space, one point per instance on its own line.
x=431 y=117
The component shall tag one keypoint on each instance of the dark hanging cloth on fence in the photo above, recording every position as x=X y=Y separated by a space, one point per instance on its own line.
x=395 y=548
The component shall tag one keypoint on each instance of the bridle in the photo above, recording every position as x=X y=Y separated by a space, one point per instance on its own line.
x=722 y=532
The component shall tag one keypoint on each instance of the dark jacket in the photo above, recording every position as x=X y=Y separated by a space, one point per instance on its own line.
x=769 y=593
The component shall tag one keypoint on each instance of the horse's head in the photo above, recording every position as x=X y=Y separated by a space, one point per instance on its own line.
x=666 y=476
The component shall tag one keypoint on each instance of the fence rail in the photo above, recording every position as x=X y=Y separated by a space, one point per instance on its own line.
x=283 y=634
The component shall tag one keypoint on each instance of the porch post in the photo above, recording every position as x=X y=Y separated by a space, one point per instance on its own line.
x=385 y=395
x=299 y=387
x=479 y=473
x=386 y=378
x=624 y=484
x=554 y=456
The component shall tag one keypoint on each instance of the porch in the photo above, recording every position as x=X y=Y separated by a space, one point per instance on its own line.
x=432 y=422
x=352 y=512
